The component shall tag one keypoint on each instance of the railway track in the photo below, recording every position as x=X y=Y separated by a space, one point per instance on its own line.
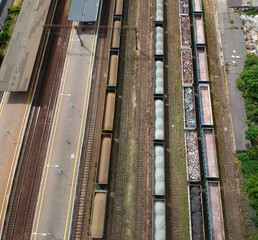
x=143 y=137
x=81 y=215
x=23 y=198
x=120 y=177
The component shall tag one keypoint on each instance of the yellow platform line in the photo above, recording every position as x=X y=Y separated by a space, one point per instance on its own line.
x=4 y=101
x=80 y=134
x=54 y=133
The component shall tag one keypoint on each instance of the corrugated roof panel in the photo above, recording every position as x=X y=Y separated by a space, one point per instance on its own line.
x=84 y=10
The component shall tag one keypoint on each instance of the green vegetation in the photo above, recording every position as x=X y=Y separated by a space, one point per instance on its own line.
x=248 y=84
x=251 y=11
x=7 y=29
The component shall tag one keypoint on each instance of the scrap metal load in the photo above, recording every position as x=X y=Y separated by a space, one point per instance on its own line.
x=192 y=156
x=159 y=220
x=184 y=7
x=196 y=212
x=187 y=65
x=189 y=108
x=185 y=32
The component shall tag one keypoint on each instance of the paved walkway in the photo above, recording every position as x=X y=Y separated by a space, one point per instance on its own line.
x=234 y=54
x=11 y=134
x=57 y=193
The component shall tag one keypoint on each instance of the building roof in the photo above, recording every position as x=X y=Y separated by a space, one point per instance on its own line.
x=84 y=10
x=18 y=64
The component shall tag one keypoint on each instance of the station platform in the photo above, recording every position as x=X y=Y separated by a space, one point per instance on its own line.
x=14 y=111
x=57 y=193
x=18 y=64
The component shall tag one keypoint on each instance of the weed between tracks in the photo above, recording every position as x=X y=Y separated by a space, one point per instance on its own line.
x=177 y=195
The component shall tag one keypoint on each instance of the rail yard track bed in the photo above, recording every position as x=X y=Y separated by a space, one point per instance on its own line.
x=232 y=200
x=176 y=179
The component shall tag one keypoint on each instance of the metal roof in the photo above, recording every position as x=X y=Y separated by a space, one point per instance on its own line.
x=84 y=10
x=18 y=63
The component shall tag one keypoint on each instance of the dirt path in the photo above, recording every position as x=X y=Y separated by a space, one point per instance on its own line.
x=231 y=186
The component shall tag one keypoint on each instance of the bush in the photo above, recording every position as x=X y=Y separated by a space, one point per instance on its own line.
x=252 y=133
x=249 y=160
x=14 y=10
x=248 y=84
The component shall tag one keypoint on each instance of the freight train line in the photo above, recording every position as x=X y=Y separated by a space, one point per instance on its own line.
x=81 y=214
x=83 y=188
x=118 y=223
x=19 y=218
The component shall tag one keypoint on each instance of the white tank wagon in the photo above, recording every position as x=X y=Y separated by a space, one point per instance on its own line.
x=158 y=169
x=214 y=211
x=187 y=64
x=113 y=68
x=185 y=32
x=199 y=29
x=202 y=64
x=117 y=22
x=159 y=40
x=196 y=219
x=189 y=108
x=98 y=214
x=209 y=151
x=109 y=110
x=159 y=76
x=159 y=219
x=119 y=7
x=159 y=11
x=192 y=156
x=197 y=6
x=104 y=158
x=159 y=119
x=205 y=108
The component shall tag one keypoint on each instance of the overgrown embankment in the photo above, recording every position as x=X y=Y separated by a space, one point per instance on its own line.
x=7 y=29
x=248 y=84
